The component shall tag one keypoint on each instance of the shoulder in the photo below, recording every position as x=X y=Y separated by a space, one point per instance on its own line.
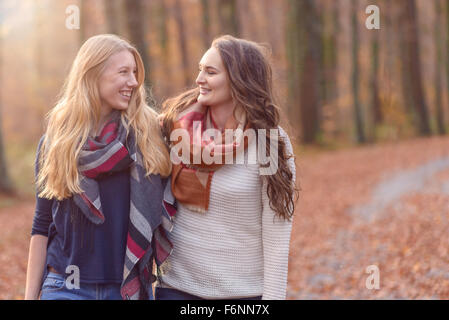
x=39 y=145
x=284 y=136
x=283 y=133
x=38 y=151
x=289 y=152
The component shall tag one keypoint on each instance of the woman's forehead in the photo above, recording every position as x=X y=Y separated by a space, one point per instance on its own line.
x=122 y=58
x=211 y=58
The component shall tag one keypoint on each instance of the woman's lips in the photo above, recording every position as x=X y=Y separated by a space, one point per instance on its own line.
x=126 y=94
x=204 y=90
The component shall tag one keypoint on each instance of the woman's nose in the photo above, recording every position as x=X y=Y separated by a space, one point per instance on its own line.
x=200 y=79
x=132 y=82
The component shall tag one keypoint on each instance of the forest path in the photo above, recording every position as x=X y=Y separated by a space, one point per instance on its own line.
x=385 y=205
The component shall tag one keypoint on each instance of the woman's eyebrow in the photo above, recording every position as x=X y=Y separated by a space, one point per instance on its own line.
x=127 y=67
x=209 y=67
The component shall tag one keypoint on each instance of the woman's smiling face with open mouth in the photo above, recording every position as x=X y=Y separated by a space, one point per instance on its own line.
x=117 y=82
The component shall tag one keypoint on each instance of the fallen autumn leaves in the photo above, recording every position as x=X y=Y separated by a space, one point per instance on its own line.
x=332 y=246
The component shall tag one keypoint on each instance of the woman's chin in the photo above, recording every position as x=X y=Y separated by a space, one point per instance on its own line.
x=121 y=107
x=202 y=100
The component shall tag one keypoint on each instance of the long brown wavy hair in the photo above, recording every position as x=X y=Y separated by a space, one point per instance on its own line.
x=250 y=76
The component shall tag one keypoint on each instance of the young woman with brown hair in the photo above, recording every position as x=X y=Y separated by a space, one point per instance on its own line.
x=232 y=231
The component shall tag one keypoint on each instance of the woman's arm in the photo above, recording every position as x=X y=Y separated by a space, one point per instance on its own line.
x=276 y=241
x=37 y=255
x=36 y=264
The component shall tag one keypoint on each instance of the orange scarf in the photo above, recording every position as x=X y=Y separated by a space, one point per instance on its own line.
x=191 y=178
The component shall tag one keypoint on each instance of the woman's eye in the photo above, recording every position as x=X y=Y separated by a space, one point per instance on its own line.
x=209 y=72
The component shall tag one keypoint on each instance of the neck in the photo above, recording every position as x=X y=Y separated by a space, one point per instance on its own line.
x=221 y=113
x=104 y=117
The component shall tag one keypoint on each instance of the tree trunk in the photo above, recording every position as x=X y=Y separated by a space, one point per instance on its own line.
x=228 y=17
x=83 y=21
x=206 y=24
x=438 y=66
x=182 y=43
x=38 y=76
x=5 y=182
x=358 y=117
x=294 y=56
x=136 y=30
x=332 y=84
x=304 y=55
x=375 y=100
x=330 y=30
x=162 y=28
x=412 y=67
x=111 y=16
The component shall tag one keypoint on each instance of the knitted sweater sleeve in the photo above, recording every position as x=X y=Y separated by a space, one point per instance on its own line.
x=42 y=214
x=276 y=240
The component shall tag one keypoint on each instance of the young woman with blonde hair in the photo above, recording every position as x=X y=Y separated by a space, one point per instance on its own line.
x=100 y=172
x=232 y=230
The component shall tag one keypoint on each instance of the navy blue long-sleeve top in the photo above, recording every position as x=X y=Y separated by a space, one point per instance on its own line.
x=97 y=250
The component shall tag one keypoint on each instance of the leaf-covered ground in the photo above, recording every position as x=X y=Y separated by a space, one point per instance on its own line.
x=334 y=240
x=343 y=224
x=15 y=226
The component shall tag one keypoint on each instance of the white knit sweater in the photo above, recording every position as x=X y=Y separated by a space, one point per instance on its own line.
x=237 y=248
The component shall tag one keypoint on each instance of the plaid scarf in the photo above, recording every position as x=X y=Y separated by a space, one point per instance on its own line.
x=150 y=213
x=191 y=180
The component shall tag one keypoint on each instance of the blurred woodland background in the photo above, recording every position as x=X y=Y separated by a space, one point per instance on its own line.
x=337 y=82
x=367 y=110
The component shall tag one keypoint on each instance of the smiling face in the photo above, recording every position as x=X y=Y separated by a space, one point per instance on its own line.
x=212 y=80
x=117 y=82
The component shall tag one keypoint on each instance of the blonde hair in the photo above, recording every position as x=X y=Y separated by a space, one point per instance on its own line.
x=77 y=113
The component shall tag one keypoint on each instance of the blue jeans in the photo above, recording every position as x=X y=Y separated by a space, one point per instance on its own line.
x=54 y=288
x=173 y=294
